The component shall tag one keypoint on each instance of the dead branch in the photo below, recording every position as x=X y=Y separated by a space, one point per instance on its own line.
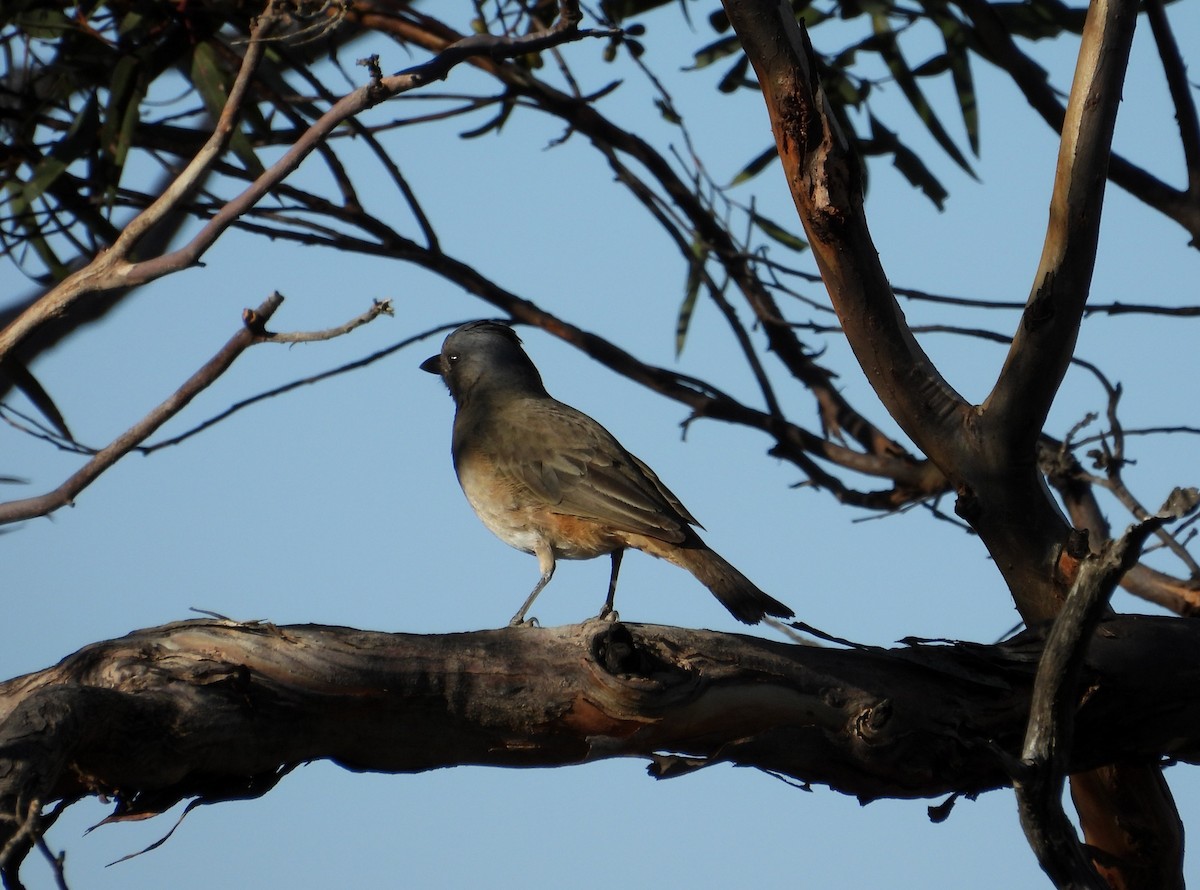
x=296 y=384
x=1181 y=95
x=378 y=308
x=1039 y=782
x=215 y=710
x=1078 y=495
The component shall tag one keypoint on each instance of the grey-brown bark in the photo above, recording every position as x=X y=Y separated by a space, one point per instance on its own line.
x=220 y=710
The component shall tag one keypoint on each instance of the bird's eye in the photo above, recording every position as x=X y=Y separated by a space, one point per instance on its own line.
x=452 y=357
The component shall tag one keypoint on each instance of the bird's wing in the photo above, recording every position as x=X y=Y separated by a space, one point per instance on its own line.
x=570 y=461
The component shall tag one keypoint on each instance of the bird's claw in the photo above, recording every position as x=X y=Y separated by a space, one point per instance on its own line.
x=608 y=613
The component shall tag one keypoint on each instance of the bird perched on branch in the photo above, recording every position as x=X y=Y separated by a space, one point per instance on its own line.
x=550 y=481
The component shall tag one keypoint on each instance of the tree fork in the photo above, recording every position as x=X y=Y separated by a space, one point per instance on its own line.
x=986 y=451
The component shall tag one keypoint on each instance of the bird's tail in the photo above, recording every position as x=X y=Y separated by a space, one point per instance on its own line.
x=736 y=592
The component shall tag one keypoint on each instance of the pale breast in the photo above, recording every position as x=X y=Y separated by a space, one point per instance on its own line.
x=501 y=514
x=507 y=511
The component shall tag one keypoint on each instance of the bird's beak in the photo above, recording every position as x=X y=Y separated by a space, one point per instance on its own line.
x=433 y=364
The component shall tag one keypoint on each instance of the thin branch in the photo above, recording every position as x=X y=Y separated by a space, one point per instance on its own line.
x=1078 y=494
x=1144 y=431
x=565 y=29
x=253 y=331
x=18 y=842
x=295 y=384
x=250 y=332
x=998 y=45
x=1114 y=308
x=368 y=135
x=57 y=863
x=655 y=206
x=378 y=308
x=1112 y=461
x=112 y=269
x=1141 y=309
x=1181 y=92
x=31 y=426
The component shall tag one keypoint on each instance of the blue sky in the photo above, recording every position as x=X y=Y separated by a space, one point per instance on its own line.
x=337 y=504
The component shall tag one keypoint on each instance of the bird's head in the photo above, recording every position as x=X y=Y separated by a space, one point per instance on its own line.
x=484 y=356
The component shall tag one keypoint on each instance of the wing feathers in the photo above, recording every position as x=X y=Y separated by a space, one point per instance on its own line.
x=567 y=459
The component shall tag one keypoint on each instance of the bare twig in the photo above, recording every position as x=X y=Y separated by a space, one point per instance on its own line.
x=1114 y=308
x=1112 y=461
x=295 y=384
x=1078 y=492
x=1181 y=93
x=19 y=841
x=378 y=308
x=250 y=332
x=56 y=861
x=1142 y=309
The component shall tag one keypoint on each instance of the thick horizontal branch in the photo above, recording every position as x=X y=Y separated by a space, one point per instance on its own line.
x=214 y=710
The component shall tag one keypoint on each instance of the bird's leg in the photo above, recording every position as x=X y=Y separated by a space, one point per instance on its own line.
x=546 y=562
x=612 y=583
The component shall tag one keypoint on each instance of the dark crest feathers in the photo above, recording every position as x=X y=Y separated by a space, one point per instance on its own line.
x=494 y=327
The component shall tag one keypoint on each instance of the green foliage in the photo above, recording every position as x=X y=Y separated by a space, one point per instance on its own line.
x=73 y=105
x=777 y=233
x=691 y=293
x=84 y=89
x=851 y=74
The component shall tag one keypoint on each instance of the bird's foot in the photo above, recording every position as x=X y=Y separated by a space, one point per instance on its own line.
x=608 y=613
x=518 y=621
